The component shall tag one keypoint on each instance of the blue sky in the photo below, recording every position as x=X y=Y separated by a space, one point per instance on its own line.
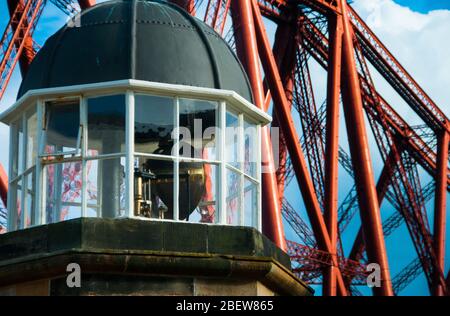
x=411 y=29
x=425 y=6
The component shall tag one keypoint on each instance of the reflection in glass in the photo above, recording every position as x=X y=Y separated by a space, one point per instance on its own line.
x=32 y=149
x=154 y=122
x=153 y=188
x=3 y=218
x=250 y=154
x=106 y=124
x=105 y=187
x=29 y=199
x=62 y=125
x=198 y=129
x=63 y=191
x=18 y=205
x=233 y=190
x=198 y=197
x=17 y=148
x=250 y=203
x=232 y=140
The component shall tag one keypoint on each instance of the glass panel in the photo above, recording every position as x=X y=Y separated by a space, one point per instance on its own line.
x=233 y=191
x=154 y=119
x=198 y=187
x=63 y=191
x=250 y=203
x=16 y=147
x=52 y=173
x=3 y=218
x=62 y=125
x=153 y=188
x=106 y=187
x=106 y=125
x=232 y=140
x=32 y=146
x=198 y=129
x=29 y=199
x=250 y=153
x=18 y=204
x=92 y=197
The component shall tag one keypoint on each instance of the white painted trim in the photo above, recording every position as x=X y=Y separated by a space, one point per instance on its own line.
x=258 y=175
x=84 y=148
x=176 y=166
x=21 y=170
x=129 y=143
x=43 y=197
x=222 y=205
x=38 y=179
x=234 y=99
x=241 y=159
x=11 y=196
x=228 y=100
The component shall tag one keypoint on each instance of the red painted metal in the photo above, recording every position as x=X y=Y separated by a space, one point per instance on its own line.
x=28 y=52
x=248 y=53
x=317 y=45
x=84 y=4
x=400 y=79
x=382 y=186
x=332 y=147
x=440 y=210
x=359 y=148
x=313 y=260
x=284 y=52
x=299 y=164
x=17 y=38
x=216 y=14
x=188 y=5
x=422 y=153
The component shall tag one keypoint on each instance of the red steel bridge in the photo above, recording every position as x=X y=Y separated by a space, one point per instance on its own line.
x=330 y=33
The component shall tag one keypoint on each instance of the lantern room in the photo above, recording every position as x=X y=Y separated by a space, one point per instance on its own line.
x=125 y=128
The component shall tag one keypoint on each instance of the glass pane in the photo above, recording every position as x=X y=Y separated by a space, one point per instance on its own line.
x=105 y=187
x=106 y=125
x=153 y=188
x=3 y=218
x=62 y=125
x=233 y=192
x=63 y=191
x=32 y=145
x=198 y=129
x=250 y=152
x=198 y=197
x=16 y=147
x=232 y=140
x=92 y=197
x=250 y=204
x=29 y=199
x=17 y=203
x=154 y=119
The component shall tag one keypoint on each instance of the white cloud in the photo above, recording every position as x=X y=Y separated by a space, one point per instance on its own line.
x=418 y=41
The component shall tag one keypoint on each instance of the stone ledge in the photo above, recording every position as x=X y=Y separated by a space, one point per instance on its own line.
x=134 y=234
x=130 y=247
x=177 y=265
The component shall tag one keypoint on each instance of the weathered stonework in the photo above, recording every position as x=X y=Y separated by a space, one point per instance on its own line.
x=136 y=257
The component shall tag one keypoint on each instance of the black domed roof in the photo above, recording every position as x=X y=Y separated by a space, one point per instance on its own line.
x=136 y=39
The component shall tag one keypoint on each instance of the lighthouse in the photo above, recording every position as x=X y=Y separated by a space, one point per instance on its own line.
x=135 y=156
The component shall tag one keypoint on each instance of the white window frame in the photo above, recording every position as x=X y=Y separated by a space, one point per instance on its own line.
x=227 y=101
